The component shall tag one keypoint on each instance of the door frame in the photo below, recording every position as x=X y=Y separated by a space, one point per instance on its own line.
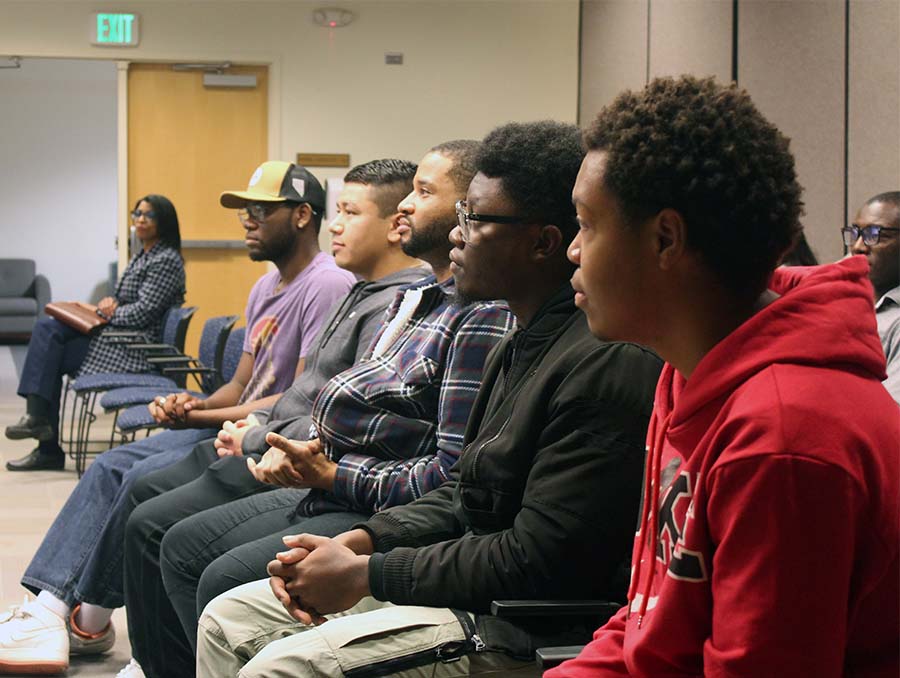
x=274 y=130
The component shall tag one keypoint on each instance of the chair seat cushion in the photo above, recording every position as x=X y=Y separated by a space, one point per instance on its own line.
x=18 y=306
x=135 y=395
x=110 y=380
x=17 y=325
x=134 y=419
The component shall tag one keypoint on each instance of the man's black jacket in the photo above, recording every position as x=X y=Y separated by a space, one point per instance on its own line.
x=545 y=495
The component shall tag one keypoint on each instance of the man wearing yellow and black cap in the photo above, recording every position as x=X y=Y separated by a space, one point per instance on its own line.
x=281 y=211
x=285 y=310
x=283 y=205
x=276 y=181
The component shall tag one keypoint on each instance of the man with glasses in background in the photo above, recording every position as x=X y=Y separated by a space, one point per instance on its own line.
x=875 y=233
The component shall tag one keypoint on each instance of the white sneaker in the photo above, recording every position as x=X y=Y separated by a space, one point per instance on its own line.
x=133 y=670
x=81 y=642
x=33 y=640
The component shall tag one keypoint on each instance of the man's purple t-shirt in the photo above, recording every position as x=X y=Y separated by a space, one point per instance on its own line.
x=281 y=326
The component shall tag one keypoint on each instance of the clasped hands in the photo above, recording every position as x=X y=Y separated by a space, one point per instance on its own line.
x=318 y=575
x=230 y=439
x=292 y=463
x=173 y=410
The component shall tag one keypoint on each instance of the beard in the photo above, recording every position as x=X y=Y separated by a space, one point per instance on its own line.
x=461 y=299
x=428 y=237
x=278 y=245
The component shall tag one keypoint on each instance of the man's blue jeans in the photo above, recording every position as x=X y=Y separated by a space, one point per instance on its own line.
x=80 y=559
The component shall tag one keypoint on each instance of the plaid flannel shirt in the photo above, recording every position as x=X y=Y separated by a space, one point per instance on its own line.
x=395 y=423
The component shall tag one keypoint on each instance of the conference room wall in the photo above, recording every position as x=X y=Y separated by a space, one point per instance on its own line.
x=58 y=172
x=791 y=56
x=469 y=65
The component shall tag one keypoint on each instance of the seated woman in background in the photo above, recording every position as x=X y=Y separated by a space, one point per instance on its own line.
x=151 y=284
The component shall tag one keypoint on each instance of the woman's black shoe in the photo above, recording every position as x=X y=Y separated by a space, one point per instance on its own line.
x=31 y=426
x=38 y=461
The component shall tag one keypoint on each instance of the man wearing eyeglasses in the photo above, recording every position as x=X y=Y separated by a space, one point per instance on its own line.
x=541 y=503
x=875 y=233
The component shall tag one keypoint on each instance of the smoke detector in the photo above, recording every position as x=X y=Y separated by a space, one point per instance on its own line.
x=333 y=17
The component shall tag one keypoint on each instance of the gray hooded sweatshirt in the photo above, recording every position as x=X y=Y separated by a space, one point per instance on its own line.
x=344 y=338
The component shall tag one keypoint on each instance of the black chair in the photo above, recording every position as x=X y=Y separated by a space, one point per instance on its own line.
x=591 y=614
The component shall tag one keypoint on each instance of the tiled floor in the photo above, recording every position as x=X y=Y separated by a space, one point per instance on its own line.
x=28 y=504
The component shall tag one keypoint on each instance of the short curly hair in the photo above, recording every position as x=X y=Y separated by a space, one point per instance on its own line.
x=704 y=150
x=391 y=179
x=537 y=164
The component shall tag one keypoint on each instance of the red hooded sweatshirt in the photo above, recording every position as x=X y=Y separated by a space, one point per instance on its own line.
x=774 y=552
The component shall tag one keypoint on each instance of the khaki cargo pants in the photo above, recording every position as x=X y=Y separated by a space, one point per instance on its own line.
x=246 y=632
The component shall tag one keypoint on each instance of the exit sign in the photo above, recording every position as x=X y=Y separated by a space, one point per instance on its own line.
x=113 y=29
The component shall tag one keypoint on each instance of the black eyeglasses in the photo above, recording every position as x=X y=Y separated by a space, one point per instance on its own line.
x=464 y=219
x=870 y=234
x=260 y=211
x=150 y=215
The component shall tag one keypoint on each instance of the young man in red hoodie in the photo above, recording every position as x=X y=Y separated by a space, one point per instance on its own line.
x=769 y=536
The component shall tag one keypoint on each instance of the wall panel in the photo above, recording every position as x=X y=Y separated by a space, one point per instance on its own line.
x=613 y=51
x=690 y=36
x=792 y=62
x=874 y=102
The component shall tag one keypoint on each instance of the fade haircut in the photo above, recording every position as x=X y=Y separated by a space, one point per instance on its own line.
x=537 y=164
x=391 y=180
x=462 y=152
x=704 y=150
x=891 y=198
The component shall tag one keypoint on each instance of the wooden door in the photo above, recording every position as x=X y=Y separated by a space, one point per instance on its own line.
x=190 y=143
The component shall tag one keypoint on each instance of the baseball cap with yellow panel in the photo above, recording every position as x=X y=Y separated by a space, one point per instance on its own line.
x=276 y=181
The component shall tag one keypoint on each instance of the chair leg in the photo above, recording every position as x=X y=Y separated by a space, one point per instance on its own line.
x=69 y=410
x=85 y=420
x=112 y=433
x=78 y=406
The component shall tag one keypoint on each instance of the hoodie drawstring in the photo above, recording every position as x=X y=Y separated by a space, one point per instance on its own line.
x=649 y=516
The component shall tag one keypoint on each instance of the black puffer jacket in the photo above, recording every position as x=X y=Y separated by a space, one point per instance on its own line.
x=546 y=492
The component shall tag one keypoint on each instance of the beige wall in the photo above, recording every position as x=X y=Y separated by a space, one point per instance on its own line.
x=874 y=101
x=625 y=41
x=613 y=51
x=690 y=36
x=469 y=64
x=791 y=58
